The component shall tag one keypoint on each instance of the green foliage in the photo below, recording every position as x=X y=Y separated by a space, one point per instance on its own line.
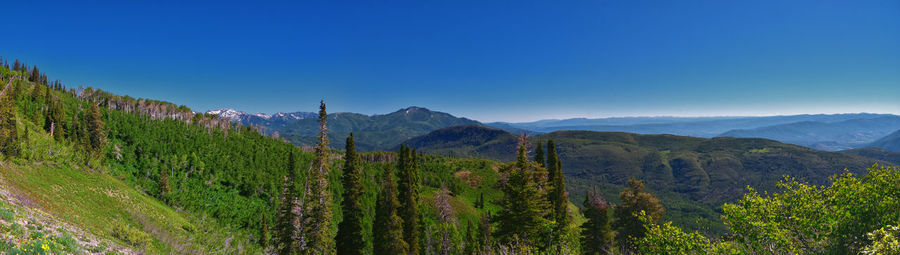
x=885 y=240
x=807 y=218
x=667 y=239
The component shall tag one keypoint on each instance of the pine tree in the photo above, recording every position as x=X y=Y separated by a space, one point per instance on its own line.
x=409 y=198
x=539 y=154
x=388 y=226
x=287 y=224
x=164 y=184
x=54 y=119
x=471 y=238
x=350 y=232
x=318 y=236
x=627 y=224
x=8 y=131
x=523 y=206
x=559 y=200
x=596 y=233
x=96 y=129
x=485 y=230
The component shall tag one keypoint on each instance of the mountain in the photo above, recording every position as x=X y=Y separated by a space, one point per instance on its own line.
x=375 y=132
x=270 y=122
x=693 y=176
x=688 y=126
x=890 y=142
x=891 y=157
x=831 y=136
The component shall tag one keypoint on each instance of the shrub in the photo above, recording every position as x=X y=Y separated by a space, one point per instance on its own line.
x=132 y=236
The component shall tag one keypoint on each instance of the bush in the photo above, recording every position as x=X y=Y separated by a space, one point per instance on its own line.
x=132 y=236
x=6 y=214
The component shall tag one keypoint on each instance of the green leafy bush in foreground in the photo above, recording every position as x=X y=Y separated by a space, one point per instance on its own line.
x=852 y=215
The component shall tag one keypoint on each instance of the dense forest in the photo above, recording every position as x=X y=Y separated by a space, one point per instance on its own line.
x=283 y=199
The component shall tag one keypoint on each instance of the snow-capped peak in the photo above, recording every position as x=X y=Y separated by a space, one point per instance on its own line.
x=230 y=114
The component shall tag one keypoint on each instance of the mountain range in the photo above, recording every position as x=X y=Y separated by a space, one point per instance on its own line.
x=829 y=132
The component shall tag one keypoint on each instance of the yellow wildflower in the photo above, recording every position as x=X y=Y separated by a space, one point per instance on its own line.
x=45 y=247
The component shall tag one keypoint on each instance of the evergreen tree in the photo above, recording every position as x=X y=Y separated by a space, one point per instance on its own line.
x=54 y=120
x=471 y=239
x=388 y=226
x=350 y=232
x=559 y=200
x=523 y=206
x=287 y=224
x=539 y=154
x=596 y=233
x=628 y=225
x=485 y=230
x=8 y=131
x=409 y=198
x=318 y=235
x=164 y=184
x=96 y=129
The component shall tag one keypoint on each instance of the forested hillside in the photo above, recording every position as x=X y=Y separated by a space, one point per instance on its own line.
x=693 y=176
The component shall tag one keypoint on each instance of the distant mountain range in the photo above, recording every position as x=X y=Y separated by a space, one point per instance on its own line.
x=890 y=142
x=371 y=132
x=691 y=174
x=830 y=132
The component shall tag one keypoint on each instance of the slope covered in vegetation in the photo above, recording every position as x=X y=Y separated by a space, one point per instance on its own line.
x=692 y=176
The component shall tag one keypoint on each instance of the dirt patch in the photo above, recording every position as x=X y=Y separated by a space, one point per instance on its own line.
x=466 y=176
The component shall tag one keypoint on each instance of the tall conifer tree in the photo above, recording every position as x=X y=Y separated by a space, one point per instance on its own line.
x=559 y=200
x=388 y=226
x=318 y=235
x=539 y=154
x=523 y=206
x=288 y=229
x=409 y=198
x=9 y=134
x=96 y=129
x=350 y=232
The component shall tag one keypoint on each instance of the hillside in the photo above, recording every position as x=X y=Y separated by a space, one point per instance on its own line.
x=892 y=157
x=376 y=132
x=140 y=176
x=890 y=142
x=831 y=136
x=693 y=176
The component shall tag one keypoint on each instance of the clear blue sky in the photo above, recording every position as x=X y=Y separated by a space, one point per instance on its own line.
x=487 y=60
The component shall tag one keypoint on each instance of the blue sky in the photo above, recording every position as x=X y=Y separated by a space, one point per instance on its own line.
x=486 y=60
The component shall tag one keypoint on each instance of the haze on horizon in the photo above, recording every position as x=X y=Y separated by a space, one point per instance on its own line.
x=498 y=61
